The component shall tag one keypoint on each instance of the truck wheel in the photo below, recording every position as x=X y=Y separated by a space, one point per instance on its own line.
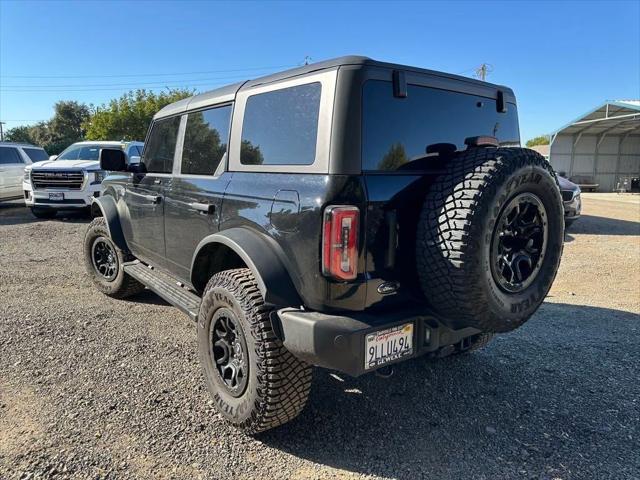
x=255 y=382
x=490 y=238
x=104 y=263
x=43 y=212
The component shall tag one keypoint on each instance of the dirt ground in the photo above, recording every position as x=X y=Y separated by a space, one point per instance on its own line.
x=92 y=387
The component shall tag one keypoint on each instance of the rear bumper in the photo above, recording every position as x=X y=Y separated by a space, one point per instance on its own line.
x=338 y=342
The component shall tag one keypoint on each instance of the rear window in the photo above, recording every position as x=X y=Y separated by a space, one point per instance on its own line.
x=36 y=154
x=281 y=127
x=396 y=131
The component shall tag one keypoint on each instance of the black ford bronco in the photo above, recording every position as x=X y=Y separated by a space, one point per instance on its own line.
x=348 y=214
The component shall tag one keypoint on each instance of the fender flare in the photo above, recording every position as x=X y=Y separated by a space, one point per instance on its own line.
x=107 y=206
x=264 y=257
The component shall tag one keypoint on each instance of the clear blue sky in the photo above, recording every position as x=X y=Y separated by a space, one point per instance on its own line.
x=562 y=59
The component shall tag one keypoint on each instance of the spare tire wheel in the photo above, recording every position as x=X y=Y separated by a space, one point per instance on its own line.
x=490 y=238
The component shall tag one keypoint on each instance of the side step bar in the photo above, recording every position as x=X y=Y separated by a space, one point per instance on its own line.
x=165 y=286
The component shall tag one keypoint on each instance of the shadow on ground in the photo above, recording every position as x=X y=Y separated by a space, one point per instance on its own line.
x=534 y=402
x=16 y=213
x=594 y=225
x=148 y=298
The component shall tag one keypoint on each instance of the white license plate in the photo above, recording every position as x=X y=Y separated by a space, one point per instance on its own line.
x=387 y=345
x=58 y=196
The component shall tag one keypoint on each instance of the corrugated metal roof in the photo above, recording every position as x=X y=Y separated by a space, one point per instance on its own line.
x=619 y=117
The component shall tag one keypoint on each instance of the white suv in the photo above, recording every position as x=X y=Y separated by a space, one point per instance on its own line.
x=14 y=157
x=72 y=179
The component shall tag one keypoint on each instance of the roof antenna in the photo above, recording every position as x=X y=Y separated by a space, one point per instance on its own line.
x=483 y=70
x=307 y=59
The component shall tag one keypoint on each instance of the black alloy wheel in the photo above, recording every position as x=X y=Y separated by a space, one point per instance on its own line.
x=229 y=351
x=105 y=259
x=519 y=243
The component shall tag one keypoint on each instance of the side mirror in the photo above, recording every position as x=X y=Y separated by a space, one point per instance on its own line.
x=113 y=160
x=53 y=157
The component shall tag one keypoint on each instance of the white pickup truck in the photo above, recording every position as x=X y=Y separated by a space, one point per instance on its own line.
x=72 y=179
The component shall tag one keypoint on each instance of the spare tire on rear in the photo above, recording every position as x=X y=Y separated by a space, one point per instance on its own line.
x=490 y=238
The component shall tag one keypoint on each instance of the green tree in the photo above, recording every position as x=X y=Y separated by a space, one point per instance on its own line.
x=21 y=134
x=394 y=158
x=541 y=140
x=65 y=127
x=128 y=117
x=250 y=155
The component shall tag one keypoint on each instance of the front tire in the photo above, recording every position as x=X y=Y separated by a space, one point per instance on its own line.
x=104 y=263
x=255 y=382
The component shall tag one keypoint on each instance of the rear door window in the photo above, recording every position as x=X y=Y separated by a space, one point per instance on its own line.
x=398 y=130
x=161 y=145
x=205 y=140
x=36 y=154
x=9 y=156
x=281 y=127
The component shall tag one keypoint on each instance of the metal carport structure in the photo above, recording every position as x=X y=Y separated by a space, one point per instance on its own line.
x=601 y=147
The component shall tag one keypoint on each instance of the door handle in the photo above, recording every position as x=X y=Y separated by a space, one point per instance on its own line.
x=155 y=199
x=207 y=208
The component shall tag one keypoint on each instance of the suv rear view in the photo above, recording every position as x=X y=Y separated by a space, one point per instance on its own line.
x=349 y=214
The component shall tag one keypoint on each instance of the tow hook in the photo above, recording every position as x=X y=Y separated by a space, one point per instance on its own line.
x=385 y=372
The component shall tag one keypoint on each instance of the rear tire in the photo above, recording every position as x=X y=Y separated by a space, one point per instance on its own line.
x=109 y=278
x=43 y=213
x=235 y=335
x=490 y=238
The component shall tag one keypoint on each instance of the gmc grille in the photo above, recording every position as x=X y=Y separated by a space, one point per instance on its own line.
x=57 y=179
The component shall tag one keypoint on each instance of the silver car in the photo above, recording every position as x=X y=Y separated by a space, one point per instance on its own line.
x=14 y=157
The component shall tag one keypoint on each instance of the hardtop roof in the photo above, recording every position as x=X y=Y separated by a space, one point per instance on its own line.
x=228 y=92
x=19 y=144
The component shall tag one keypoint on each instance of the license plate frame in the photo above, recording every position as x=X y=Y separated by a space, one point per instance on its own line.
x=56 y=196
x=389 y=345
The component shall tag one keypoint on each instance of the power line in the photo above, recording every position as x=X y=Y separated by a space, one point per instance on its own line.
x=234 y=77
x=205 y=72
x=160 y=85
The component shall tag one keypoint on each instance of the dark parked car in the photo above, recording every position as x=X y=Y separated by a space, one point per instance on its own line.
x=348 y=214
x=571 y=200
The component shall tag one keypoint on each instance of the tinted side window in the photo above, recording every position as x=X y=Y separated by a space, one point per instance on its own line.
x=36 y=154
x=398 y=130
x=9 y=156
x=205 y=140
x=135 y=151
x=281 y=127
x=161 y=145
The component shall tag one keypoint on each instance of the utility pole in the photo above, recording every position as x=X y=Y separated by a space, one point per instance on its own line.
x=1 y=132
x=483 y=70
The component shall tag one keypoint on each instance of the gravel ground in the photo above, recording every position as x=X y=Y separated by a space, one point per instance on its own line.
x=92 y=387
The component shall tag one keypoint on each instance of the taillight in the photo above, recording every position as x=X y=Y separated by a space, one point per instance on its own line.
x=340 y=242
